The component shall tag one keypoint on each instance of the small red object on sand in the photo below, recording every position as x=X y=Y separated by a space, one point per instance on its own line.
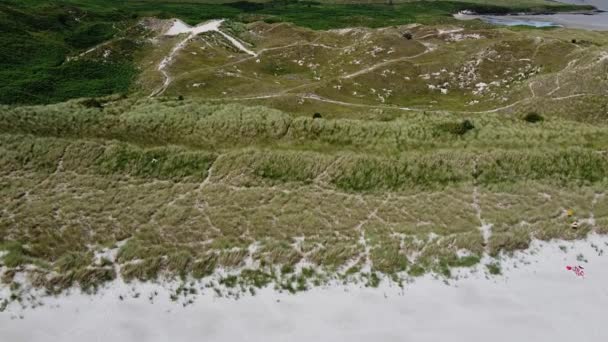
x=578 y=270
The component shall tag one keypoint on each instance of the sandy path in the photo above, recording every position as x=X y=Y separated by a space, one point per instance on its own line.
x=162 y=66
x=381 y=64
x=540 y=301
x=315 y=97
x=179 y=27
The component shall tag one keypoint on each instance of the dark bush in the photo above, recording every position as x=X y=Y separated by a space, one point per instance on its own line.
x=457 y=128
x=407 y=35
x=91 y=103
x=90 y=34
x=317 y=116
x=533 y=117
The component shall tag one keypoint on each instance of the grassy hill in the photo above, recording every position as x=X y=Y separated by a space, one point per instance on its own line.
x=39 y=36
x=410 y=144
x=380 y=72
x=183 y=188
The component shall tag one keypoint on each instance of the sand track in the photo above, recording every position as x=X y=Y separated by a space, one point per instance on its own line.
x=179 y=27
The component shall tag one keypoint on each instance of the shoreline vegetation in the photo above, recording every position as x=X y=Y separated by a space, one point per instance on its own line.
x=171 y=188
x=98 y=182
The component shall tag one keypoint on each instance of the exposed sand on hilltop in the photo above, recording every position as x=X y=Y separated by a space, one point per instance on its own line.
x=537 y=299
x=179 y=27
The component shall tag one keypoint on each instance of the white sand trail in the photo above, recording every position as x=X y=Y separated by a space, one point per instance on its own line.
x=179 y=27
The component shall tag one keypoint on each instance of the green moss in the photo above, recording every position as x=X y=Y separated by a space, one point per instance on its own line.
x=308 y=272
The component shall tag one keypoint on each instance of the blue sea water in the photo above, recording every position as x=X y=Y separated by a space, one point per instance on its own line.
x=505 y=20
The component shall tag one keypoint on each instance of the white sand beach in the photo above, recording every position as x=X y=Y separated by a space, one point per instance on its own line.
x=536 y=299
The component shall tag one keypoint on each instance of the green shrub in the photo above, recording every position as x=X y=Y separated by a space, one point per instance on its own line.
x=494 y=268
x=287 y=269
x=229 y=281
x=373 y=280
x=533 y=117
x=90 y=34
x=91 y=278
x=16 y=255
x=146 y=269
x=73 y=261
x=179 y=263
x=204 y=267
x=255 y=278
x=416 y=270
x=467 y=261
x=91 y=103
x=456 y=128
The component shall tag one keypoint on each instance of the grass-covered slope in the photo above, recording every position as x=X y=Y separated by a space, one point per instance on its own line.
x=391 y=71
x=148 y=188
x=35 y=46
x=400 y=151
x=39 y=40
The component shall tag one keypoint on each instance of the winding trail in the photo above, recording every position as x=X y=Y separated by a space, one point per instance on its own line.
x=315 y=97
x=179 y=27
x=390 y=61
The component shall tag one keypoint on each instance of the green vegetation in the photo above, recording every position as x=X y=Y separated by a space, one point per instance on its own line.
x=379 y=75
x=494 y=268
x=533 y=117
x=16 y=254
x=36 y=42
x=457 y=128
x=180 y=188
x=44 y=56
x=424 y=135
